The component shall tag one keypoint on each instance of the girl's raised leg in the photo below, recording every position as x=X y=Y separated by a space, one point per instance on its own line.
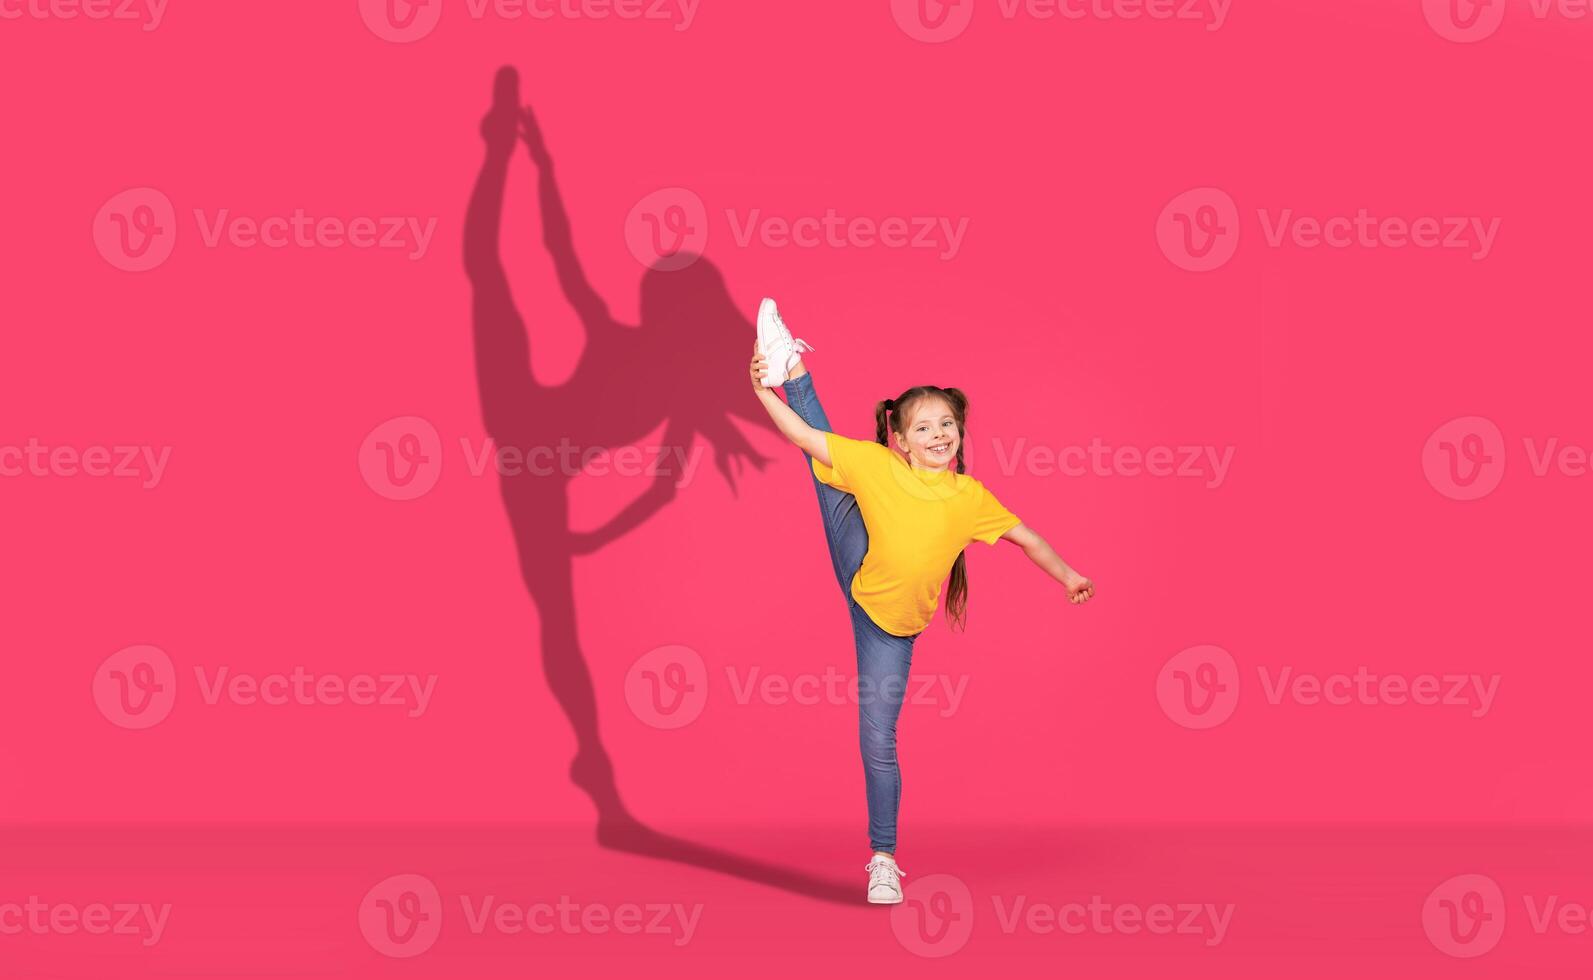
x=843 y=522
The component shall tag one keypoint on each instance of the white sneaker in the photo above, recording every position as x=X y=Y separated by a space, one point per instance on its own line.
x=884 y=880
x=775 y=343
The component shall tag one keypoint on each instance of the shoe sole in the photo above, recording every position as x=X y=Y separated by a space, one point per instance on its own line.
x=766 y=310
x=885 y=901
x=777 y=375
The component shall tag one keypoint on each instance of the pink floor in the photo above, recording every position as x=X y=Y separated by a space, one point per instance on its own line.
x=1222 y=901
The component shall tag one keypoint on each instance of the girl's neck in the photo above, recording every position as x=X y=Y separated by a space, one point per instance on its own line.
x=942 y=471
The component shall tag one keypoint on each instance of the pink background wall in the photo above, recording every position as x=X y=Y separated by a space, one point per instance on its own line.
x=1327 y=544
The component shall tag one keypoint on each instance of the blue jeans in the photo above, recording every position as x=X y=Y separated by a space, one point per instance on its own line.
x=883 y=658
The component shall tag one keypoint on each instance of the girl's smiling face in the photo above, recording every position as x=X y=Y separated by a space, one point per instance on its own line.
x=932 y=438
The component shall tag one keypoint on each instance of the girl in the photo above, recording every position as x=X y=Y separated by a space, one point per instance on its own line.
x=896 y=525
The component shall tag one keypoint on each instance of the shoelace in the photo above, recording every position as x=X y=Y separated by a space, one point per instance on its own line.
x=877 y=871
x=788 y=350
x=799 y=343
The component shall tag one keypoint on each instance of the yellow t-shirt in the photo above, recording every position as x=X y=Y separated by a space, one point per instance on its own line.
x=918 y=522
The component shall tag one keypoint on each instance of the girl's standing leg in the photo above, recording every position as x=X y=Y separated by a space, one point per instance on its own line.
x=883 y=660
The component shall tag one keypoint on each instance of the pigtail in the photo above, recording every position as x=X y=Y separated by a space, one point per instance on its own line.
x=957 y=593
x=881 y=429
x=957 y=585
x=959 y=408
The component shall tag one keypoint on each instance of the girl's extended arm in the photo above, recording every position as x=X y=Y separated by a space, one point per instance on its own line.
x=805 y=437
x=1042 y=554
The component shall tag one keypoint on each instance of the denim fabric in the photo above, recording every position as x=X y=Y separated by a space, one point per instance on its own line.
x=883 y=659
